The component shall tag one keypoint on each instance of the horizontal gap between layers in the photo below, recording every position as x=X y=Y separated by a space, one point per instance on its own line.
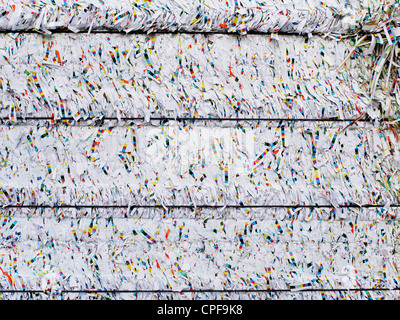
x=109 y=31
x=192 y=119
x=202 y=290
x=191 y=206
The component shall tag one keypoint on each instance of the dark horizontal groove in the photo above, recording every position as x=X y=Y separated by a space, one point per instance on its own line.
x=190 y=206
x=234 y=290
x=113 y=31
x=193 y=119
x=204 y=290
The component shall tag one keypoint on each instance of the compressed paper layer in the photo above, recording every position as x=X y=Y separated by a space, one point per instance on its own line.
x=95 y=250
x=185 y=75
x=267 y=163
x=330 y=17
